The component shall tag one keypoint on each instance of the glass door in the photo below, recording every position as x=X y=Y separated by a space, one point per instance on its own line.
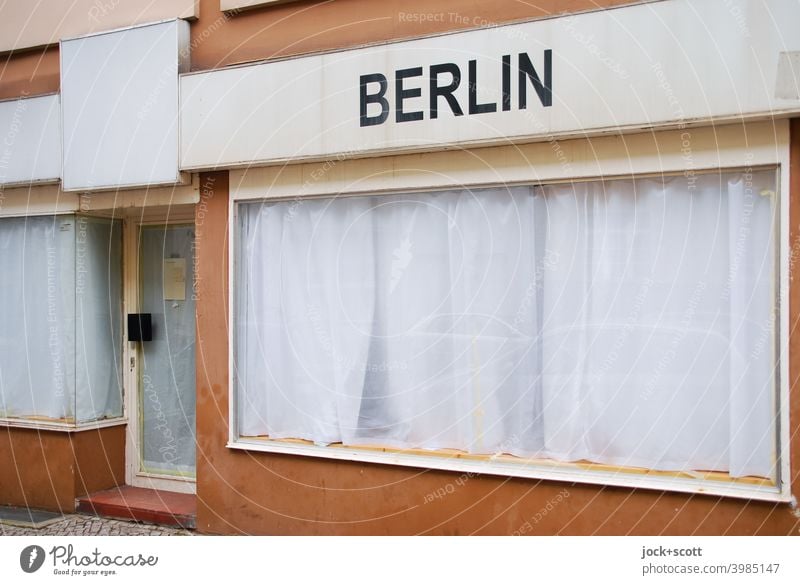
x=166 y=372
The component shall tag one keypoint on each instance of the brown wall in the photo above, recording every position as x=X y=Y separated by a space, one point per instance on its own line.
x=794 y=307
x=49 y=469
x=30 y=73
x=303 y=27
x=262 y=493
x=99 y=459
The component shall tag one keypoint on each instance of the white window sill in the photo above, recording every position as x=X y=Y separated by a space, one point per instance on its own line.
x=538 y=469
x=66 y=427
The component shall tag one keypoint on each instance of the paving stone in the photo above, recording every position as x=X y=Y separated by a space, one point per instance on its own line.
x=79 y=525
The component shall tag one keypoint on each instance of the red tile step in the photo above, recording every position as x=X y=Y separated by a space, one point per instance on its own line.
x=142 y=505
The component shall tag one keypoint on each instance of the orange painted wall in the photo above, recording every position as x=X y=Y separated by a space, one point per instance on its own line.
x=49 y=469
x=794 y=307
x=99 y=459
x=303 y=27
x=30 y=73
x=260 y=493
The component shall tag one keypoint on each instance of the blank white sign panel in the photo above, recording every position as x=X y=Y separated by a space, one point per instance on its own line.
x=30 y=147
x=120 y=106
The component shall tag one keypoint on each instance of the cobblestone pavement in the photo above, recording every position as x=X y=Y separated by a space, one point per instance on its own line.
x=80 y=525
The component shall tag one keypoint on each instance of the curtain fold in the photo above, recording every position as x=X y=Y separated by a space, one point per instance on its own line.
x=98 y=306
x=37 y=317
x=627 y=322
x=307 y=314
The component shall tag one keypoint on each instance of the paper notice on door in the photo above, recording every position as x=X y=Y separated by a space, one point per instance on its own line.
x=175 y=279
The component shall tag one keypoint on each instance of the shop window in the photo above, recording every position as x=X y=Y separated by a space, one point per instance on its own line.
x=623 y=323
x=60 y=319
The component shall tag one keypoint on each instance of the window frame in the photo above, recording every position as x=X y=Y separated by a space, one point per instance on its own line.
x=17 y=211
x=718 y=149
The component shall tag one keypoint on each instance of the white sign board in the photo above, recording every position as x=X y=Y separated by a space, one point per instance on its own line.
x=119 y=94
x=30 y=140
x=670 y=62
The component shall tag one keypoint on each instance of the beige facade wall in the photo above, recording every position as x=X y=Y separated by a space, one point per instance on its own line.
x=25 y=24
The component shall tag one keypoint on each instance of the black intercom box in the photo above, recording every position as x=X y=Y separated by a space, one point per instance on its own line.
x=140 y=327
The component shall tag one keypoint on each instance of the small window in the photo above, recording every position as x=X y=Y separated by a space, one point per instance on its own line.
x=60 y=311
x=625 y=325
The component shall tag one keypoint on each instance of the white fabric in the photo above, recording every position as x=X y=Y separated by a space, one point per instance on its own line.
x=168 y=372
x=653 y=317
x=625 y=322
x=60 y=308
x=37 y=317
x=99 y=309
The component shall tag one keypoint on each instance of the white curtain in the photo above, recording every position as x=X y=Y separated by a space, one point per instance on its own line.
x=168 y=404
x=98 y=266
x=622 y=322
x=658 y=347
x=60 y=311
x=37 y=317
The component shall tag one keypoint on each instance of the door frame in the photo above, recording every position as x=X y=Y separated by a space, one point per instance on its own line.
x=131 y=354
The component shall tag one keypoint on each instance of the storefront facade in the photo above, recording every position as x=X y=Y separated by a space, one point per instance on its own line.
x=347 y=269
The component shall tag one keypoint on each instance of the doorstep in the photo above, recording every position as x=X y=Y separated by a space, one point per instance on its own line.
x=142 y=505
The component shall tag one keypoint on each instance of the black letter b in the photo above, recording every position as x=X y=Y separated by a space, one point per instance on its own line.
x=375 y=98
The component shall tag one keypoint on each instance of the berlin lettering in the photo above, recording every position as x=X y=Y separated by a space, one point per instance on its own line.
x=443 y=80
